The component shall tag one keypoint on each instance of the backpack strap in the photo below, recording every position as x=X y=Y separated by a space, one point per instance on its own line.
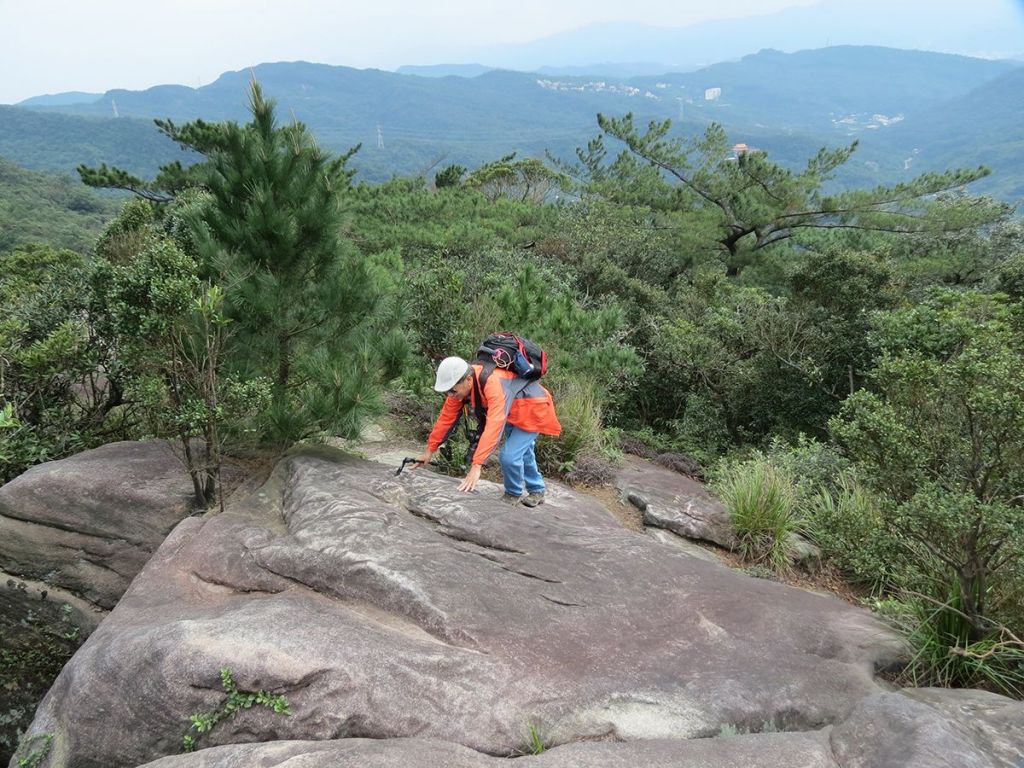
x=479 y=382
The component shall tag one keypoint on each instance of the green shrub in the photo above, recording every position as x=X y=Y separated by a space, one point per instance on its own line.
x=944 y=653
x=761 y=501
x=847 y=525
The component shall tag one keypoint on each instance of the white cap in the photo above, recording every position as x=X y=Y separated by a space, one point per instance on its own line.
x=450 y=372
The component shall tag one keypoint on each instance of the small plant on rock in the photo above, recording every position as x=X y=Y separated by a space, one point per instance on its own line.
x=34 y=758
x=203 y=722
x=538 y=744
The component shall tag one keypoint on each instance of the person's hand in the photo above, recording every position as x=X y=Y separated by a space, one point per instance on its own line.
x=421 y=460
x=470 y=480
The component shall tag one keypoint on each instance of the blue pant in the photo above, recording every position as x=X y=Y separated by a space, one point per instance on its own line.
x=519 y=463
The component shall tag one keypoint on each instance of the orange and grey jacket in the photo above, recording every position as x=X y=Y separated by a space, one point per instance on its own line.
x=506 y=399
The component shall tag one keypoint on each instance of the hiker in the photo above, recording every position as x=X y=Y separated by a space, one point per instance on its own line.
x=518 y=408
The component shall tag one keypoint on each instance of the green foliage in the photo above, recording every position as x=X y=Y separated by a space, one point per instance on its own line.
x=447 y=223
x=942 y=435
x=762 y=506
x=52 y=382
x=235 y=701
x=967 y=257
x=308 y=311
x=537 y=743
x=848 y=525
x=41 y=208
x=581 y=341
x=581 y=415
x=36 y=749
x=171 y=334
x=759 y=203
x=523 y=180
x=945 y=653
x=450 y=176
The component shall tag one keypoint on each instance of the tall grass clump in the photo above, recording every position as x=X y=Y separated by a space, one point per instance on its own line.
x=946 y=651
x=761 y=501
x=580 y=411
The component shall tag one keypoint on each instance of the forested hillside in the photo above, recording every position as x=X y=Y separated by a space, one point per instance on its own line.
x=980 y=127
x=45 y=141
x=43 y=208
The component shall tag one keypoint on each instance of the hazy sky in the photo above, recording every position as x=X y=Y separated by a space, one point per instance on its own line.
x=48 y=46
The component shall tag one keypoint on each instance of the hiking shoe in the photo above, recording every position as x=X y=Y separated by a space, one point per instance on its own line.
x=534 y=499
x=510 y=499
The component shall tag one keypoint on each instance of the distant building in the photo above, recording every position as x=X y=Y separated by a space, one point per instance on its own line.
x=712 y=94
x=739 y=149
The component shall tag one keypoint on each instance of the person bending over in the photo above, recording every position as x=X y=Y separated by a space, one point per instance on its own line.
x=512 y=407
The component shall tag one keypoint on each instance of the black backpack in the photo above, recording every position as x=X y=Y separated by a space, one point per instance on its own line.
x=506 y=350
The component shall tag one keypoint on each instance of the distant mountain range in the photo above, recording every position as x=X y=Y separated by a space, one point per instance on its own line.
x=986 y=29
x=60 y=99
x=936 y=110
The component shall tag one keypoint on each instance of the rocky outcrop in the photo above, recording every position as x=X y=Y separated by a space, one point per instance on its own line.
x=932 y=728
x=674 y=502
x=73 y=534
x=927 y=728
x=389 y=607
x=87 y=524
x=759 y=751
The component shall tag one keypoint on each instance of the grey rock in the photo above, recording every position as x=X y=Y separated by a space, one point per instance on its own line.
x=792 y=750
x=932 y=728
x=89 y=523
x=802 y=552
x=388 y=607
x=684 y=545
x=675 y=502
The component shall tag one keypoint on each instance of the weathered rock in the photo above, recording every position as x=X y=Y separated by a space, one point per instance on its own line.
x=802 y=552
x=932 y=728
x=386 y=607
x=89 y=523
x=73 y=534
x=792 y=750
x=674 y=502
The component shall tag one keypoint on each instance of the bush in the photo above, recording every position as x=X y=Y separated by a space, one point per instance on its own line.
x=944 y=654
x=847 y=525
x=761 y=501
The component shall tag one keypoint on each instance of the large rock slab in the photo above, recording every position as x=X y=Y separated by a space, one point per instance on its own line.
x=916 y=728
x=932 y=728
x=389 y=607
x=792 y=750
x=73 y=534
x=674 y=502
x=88 y=523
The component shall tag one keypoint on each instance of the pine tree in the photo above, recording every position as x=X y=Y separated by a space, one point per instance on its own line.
x=306 y=309
x=756 y=203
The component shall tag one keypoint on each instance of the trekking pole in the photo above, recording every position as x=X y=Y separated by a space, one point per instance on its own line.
x=411 y=460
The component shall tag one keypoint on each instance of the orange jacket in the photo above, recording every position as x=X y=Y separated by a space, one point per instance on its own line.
x=524 y=404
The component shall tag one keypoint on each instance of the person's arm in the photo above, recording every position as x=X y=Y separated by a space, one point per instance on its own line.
x=496 y=415
x=450 y=412
x=495 y=395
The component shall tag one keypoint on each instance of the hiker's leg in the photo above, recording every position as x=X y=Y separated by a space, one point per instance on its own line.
x=531 y=475
x=517 y=443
